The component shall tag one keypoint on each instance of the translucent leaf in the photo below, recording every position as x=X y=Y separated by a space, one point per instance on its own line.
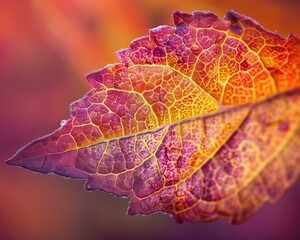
x=200 y=120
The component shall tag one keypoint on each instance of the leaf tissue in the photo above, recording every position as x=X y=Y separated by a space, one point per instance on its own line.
x=200 y=120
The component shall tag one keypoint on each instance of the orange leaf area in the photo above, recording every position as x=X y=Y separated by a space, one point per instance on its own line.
x=200 y=120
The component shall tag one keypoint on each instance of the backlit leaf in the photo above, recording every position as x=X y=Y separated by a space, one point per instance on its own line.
x=200 y=120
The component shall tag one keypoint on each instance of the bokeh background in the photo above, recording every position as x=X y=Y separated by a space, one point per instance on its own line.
x=46 y=48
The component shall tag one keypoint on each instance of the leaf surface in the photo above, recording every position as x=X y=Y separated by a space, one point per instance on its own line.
x=200 y=120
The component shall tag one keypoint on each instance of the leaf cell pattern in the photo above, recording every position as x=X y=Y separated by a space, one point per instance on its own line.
x=200 y=120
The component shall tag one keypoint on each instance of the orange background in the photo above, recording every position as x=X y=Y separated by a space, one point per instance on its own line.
x=46 y=48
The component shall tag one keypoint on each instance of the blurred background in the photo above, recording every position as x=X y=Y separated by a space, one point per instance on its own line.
x=46 y=48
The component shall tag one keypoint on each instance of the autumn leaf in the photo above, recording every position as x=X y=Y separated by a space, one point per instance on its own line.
x=200 y=121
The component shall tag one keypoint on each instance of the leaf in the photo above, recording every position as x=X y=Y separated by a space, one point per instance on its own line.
x=200 y=121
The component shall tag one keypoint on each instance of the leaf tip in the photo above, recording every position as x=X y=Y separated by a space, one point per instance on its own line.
x=13 y=161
